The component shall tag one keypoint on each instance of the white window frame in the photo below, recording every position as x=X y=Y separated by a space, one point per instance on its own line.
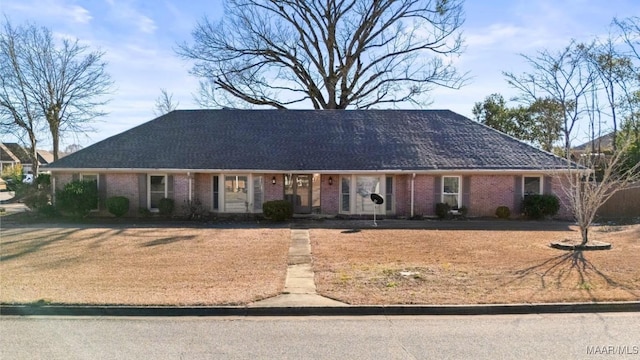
x=222 y=204
x=353 y=182
x=541 y=187
x=82 y=175
x=166 y=190
x=459 y=194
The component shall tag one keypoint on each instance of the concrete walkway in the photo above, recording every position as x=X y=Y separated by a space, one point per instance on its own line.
x=299 y=287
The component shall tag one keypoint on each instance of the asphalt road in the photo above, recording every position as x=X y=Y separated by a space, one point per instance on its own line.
x=557 y=336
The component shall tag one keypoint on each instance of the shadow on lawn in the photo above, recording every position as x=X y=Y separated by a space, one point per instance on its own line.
x=560 y=269
x=31 y=244
x=167 y=240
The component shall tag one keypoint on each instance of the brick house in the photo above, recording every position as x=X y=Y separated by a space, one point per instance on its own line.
x=323 y=161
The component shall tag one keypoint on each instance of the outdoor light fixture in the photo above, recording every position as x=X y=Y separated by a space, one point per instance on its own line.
x=273 y=180
x=330 y=180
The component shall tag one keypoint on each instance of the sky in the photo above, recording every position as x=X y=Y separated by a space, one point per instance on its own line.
x=139 y=38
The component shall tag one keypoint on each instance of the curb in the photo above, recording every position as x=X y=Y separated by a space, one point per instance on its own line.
x=357 y=310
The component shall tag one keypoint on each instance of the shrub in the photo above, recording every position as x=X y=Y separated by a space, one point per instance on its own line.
x=78 y=198
x=48 y=210
x=442 y=210
x=36 y=199
x=166 y=206
x=118 y=205
x=277 y=210
x=503 y=212
x=144 y=212
x=463 y=211
x=194 y=209
x=540 y=206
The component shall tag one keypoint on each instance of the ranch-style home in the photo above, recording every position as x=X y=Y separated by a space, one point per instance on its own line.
x=325 y=162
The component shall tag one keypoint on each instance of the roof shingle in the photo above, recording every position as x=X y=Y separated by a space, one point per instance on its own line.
x=307 y=140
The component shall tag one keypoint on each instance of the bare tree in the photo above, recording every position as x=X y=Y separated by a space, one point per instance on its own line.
x=67 y=83
x=599 y=177
x=615 y=75
x=19 y=115
x=334 y=54
x=164 y=103
x=562 y=77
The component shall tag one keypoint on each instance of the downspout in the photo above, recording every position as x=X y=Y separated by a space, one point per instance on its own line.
x=190 y=184
x=413 y=179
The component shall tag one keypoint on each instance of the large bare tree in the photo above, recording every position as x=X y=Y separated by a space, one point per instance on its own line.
x=64 y=81
x=19 y=115
x=331 y=54
x=562 y=77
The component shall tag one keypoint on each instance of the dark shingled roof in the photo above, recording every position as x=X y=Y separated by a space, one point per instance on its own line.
x=305 y=140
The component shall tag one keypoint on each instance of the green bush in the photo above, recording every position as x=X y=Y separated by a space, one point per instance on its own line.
x=442 y=210
x=144 y=212
x=463 y=211
x=48 y=210
x=118 y=205
x=78 y=198
x=540 y=206
x=503 y=212
x=166 y=206
x=277 y=210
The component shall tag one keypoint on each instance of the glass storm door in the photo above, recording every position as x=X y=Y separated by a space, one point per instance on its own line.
x=297 y=190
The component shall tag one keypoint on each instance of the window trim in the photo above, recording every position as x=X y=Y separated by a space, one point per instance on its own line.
x=540 y=189
x=459 y=194
x=166 y=190
x=353 y=182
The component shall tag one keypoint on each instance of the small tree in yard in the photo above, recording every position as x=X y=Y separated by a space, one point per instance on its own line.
x=586 y=189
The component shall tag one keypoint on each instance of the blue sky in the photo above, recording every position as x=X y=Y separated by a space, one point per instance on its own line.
x=139 y=38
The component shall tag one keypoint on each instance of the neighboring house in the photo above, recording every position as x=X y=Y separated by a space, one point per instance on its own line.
x=323 y=161
x=598 y=145
x=12 y=154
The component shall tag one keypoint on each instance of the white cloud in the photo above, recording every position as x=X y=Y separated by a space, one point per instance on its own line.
x=52 y=9
x=125 y=12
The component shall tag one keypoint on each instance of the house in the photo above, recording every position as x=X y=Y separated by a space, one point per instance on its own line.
x=12 y=154
x=323 y=161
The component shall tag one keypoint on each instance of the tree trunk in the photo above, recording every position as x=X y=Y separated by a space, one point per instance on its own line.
x=584 y=231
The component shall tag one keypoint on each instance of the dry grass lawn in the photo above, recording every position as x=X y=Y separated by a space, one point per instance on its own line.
x=473 y=266
x=142 y=266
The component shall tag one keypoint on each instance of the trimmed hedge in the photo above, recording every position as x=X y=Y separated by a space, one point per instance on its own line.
x=277 y=210
x=540 y=206
x=503 y=212
x=118 y=205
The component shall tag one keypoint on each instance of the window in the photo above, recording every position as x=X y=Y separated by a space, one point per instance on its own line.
x=216 y=192
x=93 y=178
x=532 y=185
x=451 y=191
x=258 y=190
x=365 y=186
x=388 y=196
x=158 y=189
x=236 y=194
x=344 y=194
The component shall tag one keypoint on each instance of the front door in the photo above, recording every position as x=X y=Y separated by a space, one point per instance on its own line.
x=297 y=190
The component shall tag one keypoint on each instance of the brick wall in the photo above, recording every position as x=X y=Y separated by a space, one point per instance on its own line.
x=124 y=185
x=487 y=192
x=202 y=189
x=330 y=194
x=271 y=191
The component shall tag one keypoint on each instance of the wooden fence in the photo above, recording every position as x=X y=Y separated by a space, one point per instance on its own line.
x=623 y=204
